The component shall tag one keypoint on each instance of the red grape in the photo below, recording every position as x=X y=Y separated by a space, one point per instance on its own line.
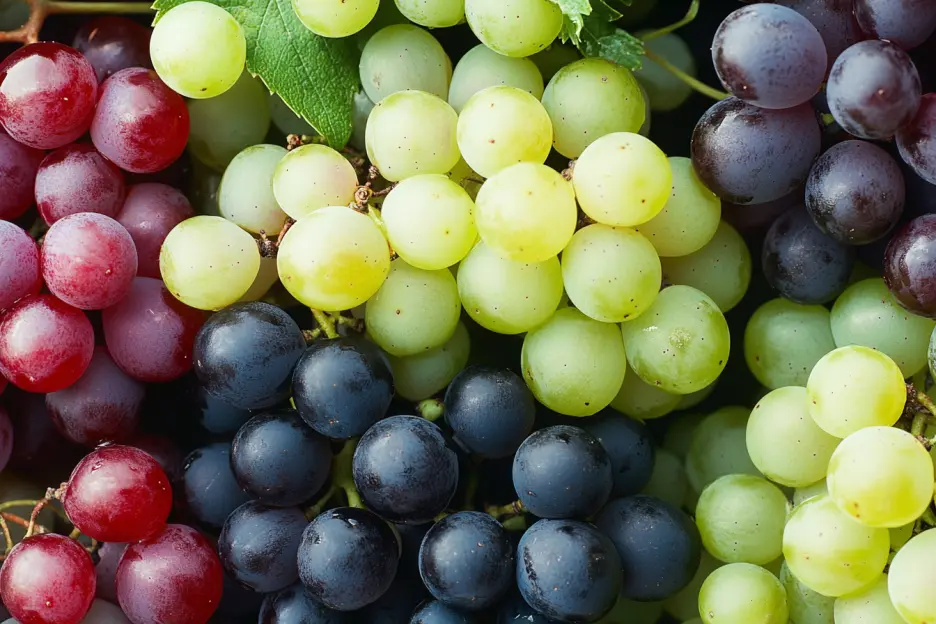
x=88 y=260
x=19 y=264
x=18 y=166
x=106 y=570
x=47 y=95
x=174 y=576
x=140 y=124
x=45 y=344
x=113 y=43
x=150 y=334
x=6 y=434
x=47 y=579
x=76 y=178
x=150 y=211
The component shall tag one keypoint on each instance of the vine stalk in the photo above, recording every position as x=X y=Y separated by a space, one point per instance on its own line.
x=39 y=10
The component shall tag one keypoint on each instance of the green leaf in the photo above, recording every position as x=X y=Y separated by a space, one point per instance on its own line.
x=573 y=12
x=623 y=48
x=600 y=37
x=317 y=77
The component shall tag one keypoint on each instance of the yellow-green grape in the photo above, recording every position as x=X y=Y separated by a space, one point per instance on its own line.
x=335 y=18
x=689 y=401
x=526 y=212
x=666 y=92
x=412 y=132
x=717 y=448
x=642 y=401
x=684 y=604
x=514 y=27
x=679 y=433
x=403 y=57
x=267 y=276
x=590 y=98
x=881 y=476
x=680 y=344
x=334 y=259
x=573 y=364
x=433 y=13
x=508 y=296
x=417 y=377
x=742 y=593
x=690 y=217
x=721 y=269
x=311 y=177
x=286 y=119
x=854 y=387
x=806 y=606
x=208 y=262
x=648 y=118
x=362 y=110
x=502 y=126
x=869 y=605
x=910 y=579
x=611 y=274
x=428 y=221
x=246 y=192
x=198 y=49
x=801 y=494
x=481 y=67
x=784 y=441
x=668 y=480
x=829 y=552
x=622 y=179
x=784 y=340
x=555 y=57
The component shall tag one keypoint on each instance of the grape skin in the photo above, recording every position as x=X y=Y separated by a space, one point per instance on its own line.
x=20 y=273
x=433 y=13
x=246 y=194
x=907 y=579
x=481 y=68
x=76 y=178
x=335 y=19
x=418 y=377
x=834 y=19
x=664 y=91
x=871 y=605
x=643 y=401
x=18 y=167
x=806 y=605
x=311 y=177
x=740 y=593
x=907 y=23
x=915 y=140
x=718 y=448
x=684 y=604
x=112 y=43
x=403 y=57
x=149 y=213
x=514 y=28
x=208 y=486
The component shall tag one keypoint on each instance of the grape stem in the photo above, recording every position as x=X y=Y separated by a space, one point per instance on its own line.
x=318 y=506
x=688 y=17
x=6 y=536
x=517 y=523
x=929 y=517
x=430 y=409
x=508 y=511
x=325 y=323
x=39 y=10
x=342 y=476
x=697 y=85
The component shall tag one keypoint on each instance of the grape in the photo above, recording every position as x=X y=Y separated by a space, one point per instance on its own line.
x=873 y=89
x=643 y=401
x=266 y=278
x=412 y=132
x=907 y=579
x=514 y=27
x=308 y=178
x=556 y=56
x=622 y=179
x=500 y=126
x=149 y=213
x=209 y=489
x=419 y=376
x=835 y=21
x=47 y=95
x=741 y=593
x=668 y=481
x=871 y=605
x=855 y=387
x=285 y=119
x=526 y=212
x=295 y=603
x=481 y=68
x=76 y=178
x=830 y=553
x=785 y=443
x=335 y=19
x=906 y=23
x=611 y=274
x=663 y=90
x=749 y=155
x=573 y=364
x=404 y=57
x=802 y=494
x=805 y=605
x=718 y=448
x=915 y=140
x=20 y=274
x=515 y=609
x=18 y=167
x=246 y=194
x=112 y=43
x=216 y=416
x=433 y=13
x=435 y=612
x=684 y=604
x=909 y=268
x=428 y=221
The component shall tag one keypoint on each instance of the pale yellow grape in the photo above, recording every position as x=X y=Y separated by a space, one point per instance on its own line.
x=881 y=476
x=312 y=177
x=433 y=13
x=508 y=296
x=417 y=377
x=412 y=132
x=573 y=364
x=910 y=579
x=869 y=605
x=784 y=441
x=831 y=553
x=668 y=480
x=855 y=387
x=622 y=179
x=642 y=401
x=690 y=217
x=198 y=49
x=403 y=57
x=684 y=604
x=526 y=212
x=481 y=67
x=208 y=262
x=802 y=494
x=589 y=99
x=717 y=447
x=335 y=18
x=666 y=92
x=267 y=276
x=514 y=27
x=245 y=195
x=334 y=259
x=742 y=593
x=679 y=433
x=501 y=126
x=286 y=119
x=806 y=606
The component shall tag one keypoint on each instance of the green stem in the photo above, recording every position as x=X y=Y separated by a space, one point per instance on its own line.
x=929 y=517
x=319 y=506
x=918 y=427
x=924 y=400
x=341 y=473
x=698 y=85
x=517 y=523
x=430 y=409
x=510 y=510
x=18 y=503
x=77 y=7
x=325 y=323
x=690 y=15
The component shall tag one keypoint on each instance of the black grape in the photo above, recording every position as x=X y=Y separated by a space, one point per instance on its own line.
x=907 y=23
x=218 y=417
x=834 y=20
x=515 y=610
x=397 y=604
x=434 y=612
x=294 y=605
x=629 y=447
x=211 y=491
x=910 y=266
x=917 y=140
x=411 y=537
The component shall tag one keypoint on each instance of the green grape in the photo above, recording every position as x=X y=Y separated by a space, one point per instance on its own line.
x=689 y=401
x=362 y=110
x=203 y=189
x=267 y=276
x=198 y=49
x=335 y=18
x=666 y=91
x=285 y=119
x=801 y=494
x=526 y=212
x=501 y=126
x=867 y=314
x=717 y=448
x=622 y=179
x=481 y=68
x=829 y=552
x=853 y=387
x=742 y=593
x=890 y=491
x=387 y=15
x=208 y=262
x=418 y=377
x=632 y=612
x=680 y=343
x=514 y=27
x=775 y=566
x=741 y=519
x=806 y=606
x=403 y=57
x=611 y=274
x=668 y=480
x=869 y=605
x=648 y=119
x=784 y=340
x=690 y=217
x=679 y=434
x=334 y=259
x=642 y=401
x=910 y=579
x=901 y=535
x=13 y=14
x=412 y=132
x=684 y=604
x=590 y=98
x=433 y=13
x=555 y=57
x=311 y=177
x=784 y=441
x=721 y=269
x=246 y=192
x=508 y=296
x=573 y=364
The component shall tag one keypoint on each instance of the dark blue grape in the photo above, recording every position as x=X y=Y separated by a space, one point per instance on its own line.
x=404 y=470
x=515 y=610
x=434 y=612
x=348 y=558
x=658 y=544
x=834 y=20
x=239 y=604
x=210 y=489
x=342 y=386
x=490 y=410
x=245 y=354
x=629 y=447
x=568 y=570
x=294 y=605
x=397 y=604
x=411 y=537
x=562 y=472
x=218 y=417
x=907 y=23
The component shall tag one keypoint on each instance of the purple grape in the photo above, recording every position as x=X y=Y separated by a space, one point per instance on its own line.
x=150 y=211
x=906 y=23
x=917 y=140
x=834 y=19
x=910 y=266
x=113 y=43
x=76 y=178
x=19 y=264
x=18 y=167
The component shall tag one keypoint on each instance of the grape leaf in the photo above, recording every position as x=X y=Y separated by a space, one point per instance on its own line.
x=317 y=77
x=573 y=12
